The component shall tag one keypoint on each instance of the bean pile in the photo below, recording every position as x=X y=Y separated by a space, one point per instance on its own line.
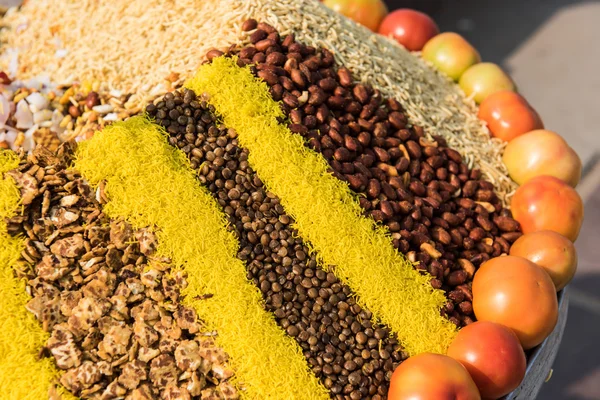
x=353 y=357
x=442 y=215
x=112 y=308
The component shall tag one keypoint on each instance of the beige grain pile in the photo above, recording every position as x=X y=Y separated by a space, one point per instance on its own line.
x=136 y=46
x=146 y=46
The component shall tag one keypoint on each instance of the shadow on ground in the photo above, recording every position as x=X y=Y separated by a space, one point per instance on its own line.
x=512 y=21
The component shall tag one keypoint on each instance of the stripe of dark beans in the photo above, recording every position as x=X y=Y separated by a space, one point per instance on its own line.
x=441 y=214
x=353 y=357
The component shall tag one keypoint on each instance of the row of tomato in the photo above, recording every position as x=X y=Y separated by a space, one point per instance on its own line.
x=514 y=296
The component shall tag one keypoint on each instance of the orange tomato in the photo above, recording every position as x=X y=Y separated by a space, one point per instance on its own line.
x=541 y=152
x=451 y=54
x=484 y=79
x=369 y=13
x=430 y=376
x=493 y=356
x=551 y=251
x=547 y=203
x=508 y=115
x=411 y=28
x=516 y=293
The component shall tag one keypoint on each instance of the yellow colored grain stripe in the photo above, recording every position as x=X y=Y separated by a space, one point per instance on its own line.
x=22 y=375
x=150 y=183
x=327 y=214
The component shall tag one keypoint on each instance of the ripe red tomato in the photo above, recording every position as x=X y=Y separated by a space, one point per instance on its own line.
x=541 y=152
x=509 y=115
x=516 y=293
x=493 y=356
x=430 y=376
x=551 y=251
x=369 y=13
x=411 y=28
x=547 y=203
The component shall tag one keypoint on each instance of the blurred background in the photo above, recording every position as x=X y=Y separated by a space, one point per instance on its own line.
x=551 y=49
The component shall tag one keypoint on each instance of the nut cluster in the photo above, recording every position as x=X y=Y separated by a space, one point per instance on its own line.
x=353 y=357
x=441 y=214
x=112 y=307
x=51 y=114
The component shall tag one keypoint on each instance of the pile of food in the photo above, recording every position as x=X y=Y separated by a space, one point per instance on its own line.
x=266 y=200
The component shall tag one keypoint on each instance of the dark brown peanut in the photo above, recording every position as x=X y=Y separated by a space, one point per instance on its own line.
x=413 y=183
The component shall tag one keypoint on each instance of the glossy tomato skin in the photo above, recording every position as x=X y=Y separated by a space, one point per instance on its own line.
x=541 y=152
x=369 y=13
x=516 y=293
x=430 y=376
x=410 y=28
x=547 y=203
x=451 y=54
x=484 y=79
x=509 y=115
x=493 y=356
x=551 y=251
